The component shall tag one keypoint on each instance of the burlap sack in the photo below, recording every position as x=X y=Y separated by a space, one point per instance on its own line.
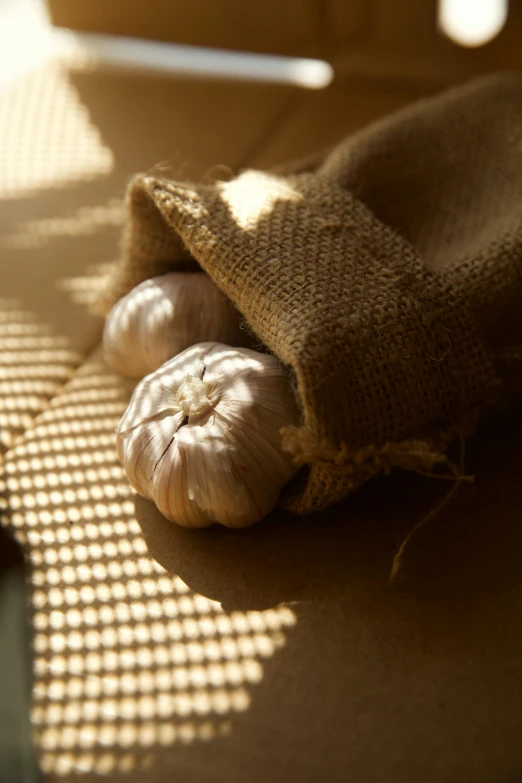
x=387 y=277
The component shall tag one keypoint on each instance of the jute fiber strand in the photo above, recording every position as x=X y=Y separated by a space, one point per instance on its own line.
x=387 y=277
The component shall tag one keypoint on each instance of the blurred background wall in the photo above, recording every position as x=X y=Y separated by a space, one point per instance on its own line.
x=388 y=38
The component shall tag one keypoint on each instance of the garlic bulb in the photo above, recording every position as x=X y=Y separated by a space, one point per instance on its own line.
x=164 y=315
x=201 y=436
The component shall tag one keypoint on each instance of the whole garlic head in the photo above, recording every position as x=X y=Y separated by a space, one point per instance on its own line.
x=201 y=436
x=164 y=315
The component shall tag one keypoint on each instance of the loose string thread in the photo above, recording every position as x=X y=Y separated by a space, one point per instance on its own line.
x=417 y=456
x=509 y=355
x=458 y=479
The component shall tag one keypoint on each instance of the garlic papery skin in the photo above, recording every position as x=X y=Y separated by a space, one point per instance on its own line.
x=164 y=315
x=201 y=436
